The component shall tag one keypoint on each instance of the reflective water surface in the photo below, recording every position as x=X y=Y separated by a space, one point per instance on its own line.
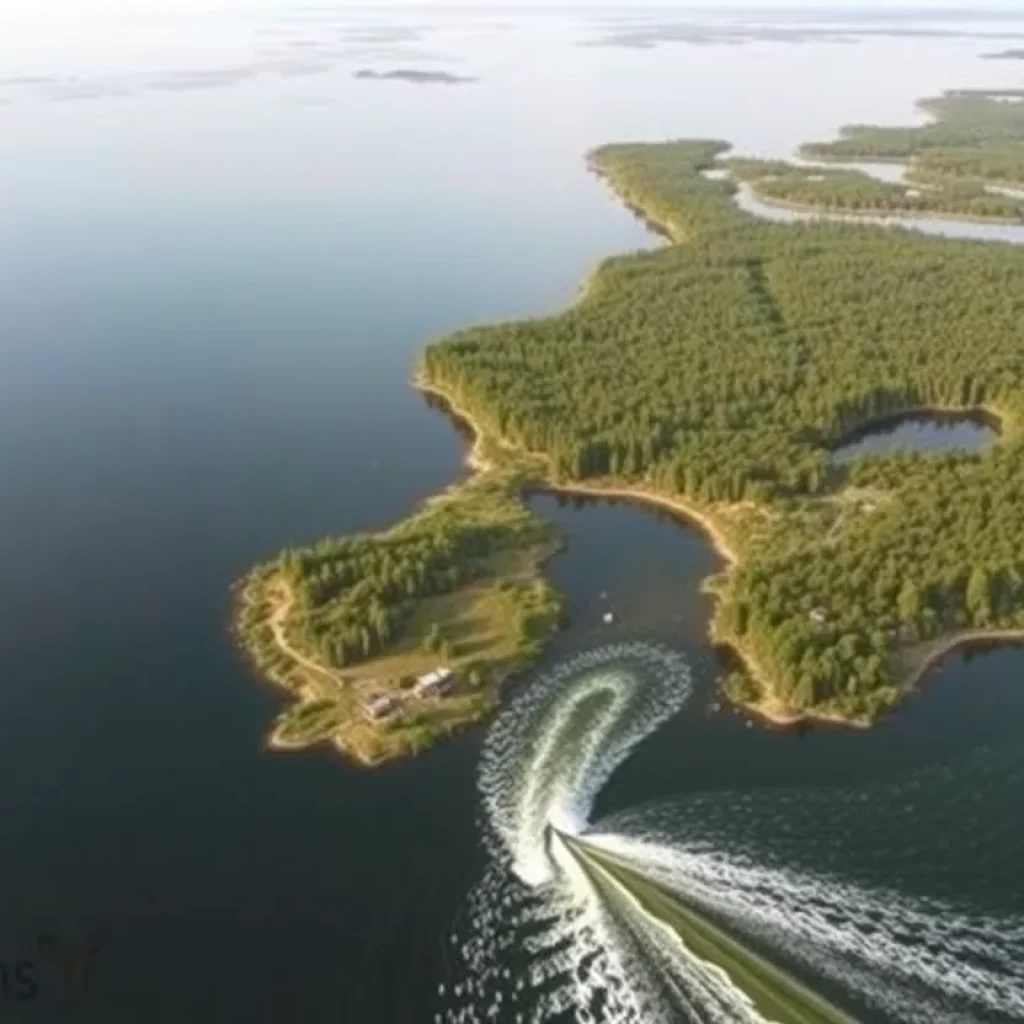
x=935 y=432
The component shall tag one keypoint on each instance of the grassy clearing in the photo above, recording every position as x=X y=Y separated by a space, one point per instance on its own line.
x=484 y=622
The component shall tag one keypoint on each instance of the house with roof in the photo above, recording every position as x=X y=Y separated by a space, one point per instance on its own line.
x=380 y=706
x=435 y=684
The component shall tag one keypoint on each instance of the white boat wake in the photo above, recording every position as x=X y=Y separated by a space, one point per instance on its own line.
x=550 y=935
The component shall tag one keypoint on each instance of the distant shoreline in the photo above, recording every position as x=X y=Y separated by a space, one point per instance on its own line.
x=414 y=76
x=873 y=217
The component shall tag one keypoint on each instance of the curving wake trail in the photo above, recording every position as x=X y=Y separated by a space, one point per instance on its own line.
x=714 y=908
x=551 y=753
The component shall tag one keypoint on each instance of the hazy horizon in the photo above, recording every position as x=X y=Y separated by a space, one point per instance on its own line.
x=49 y=9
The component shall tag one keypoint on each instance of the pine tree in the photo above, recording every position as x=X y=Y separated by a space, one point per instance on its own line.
x=978 y=597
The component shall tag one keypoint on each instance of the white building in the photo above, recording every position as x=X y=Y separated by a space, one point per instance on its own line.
x=434 y=683
x=380 y=706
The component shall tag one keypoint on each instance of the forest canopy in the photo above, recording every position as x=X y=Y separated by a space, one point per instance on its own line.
x=721 y=372
x=973 y=135
x=967 y=162
x=351 y=623
x=962 y=193
x=725 y=368
x=356 y=594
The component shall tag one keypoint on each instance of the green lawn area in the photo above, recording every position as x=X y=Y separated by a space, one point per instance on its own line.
x=483 y=646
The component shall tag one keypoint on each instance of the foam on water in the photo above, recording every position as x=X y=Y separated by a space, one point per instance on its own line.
x=543 y=942
x=549 y=755
x=912 y=958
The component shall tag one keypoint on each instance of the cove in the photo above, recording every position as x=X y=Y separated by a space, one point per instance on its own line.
x=803 y=833
x=648 y=567
x=642 y=566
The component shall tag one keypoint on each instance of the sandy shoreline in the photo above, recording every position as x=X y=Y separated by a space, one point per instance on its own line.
x=769 y=709
x=668 y=231
x=930 y=654
x=476 y=461
x=643 y=496
x=303 y=691
x=772 y=710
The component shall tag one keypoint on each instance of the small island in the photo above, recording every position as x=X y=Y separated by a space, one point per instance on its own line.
x=716 y=377
x=975 y=138
x=855 y=193
x=967 y=164
x=1013 y=54
x=413 y=76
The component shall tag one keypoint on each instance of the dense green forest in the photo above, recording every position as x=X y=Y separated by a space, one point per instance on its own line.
x=356 y=593
x=724 y=369
x=973 y=136
x=721 y=371
x=853 y=191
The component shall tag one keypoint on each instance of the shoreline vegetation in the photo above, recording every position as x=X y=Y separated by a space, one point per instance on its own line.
x=974 y=138
x=965 y=164
x=866 y=214
x=711 y=377
x=859 y=198
x=350 y=627
x=766 y=706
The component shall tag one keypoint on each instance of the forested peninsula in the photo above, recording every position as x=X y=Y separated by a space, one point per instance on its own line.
x=973 y=137
x=355 y=626
x=714 y=375
x=966 y=163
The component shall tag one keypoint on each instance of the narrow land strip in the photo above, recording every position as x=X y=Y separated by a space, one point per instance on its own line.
x=776 y=993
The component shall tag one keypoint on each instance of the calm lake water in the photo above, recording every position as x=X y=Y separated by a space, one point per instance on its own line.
x=926 y=433
x=221 y=254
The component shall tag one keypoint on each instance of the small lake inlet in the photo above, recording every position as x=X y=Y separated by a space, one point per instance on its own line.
x=922 y=431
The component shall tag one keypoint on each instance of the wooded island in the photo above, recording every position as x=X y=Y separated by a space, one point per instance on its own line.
x=714 y=375
x=967 y=163
x=975 y=136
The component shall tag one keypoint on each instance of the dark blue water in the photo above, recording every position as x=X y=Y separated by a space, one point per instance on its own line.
x=218 y=262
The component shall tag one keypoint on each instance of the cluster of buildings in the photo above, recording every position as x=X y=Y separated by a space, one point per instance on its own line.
x=437 y=683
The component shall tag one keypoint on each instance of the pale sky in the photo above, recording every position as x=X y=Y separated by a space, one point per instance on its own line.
x=42 y=20
x=50 y=9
